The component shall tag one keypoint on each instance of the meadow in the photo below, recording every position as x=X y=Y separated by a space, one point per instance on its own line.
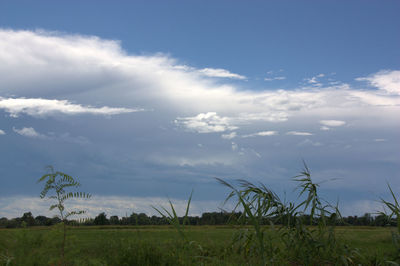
x=264 y=230
x=161 y=245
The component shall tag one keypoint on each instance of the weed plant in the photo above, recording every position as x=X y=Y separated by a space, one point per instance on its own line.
x=57 y=185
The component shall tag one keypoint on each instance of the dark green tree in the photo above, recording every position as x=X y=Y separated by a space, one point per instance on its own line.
x=28 y=219
x=101 y=219
x=114 y=220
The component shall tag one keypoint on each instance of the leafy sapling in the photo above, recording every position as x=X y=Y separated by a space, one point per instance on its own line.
x=57 y=188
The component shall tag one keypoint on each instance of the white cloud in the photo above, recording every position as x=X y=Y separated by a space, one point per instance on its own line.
x=205 y=123
x=314 y=80
x=29 y=132
x=43 y=65
x=380 y=140
x=387 y=81
x=332 y=123
x=361 y=207
x=219 y=73
x=298 y=133
x=370 y=98
x=2 y=132
x=66 y=137
x=229 y=136
x=12 y=207
x=274 y=77
x=45 y=107
x=193 y=161
x=15 y=206
x=325 y=128
x=235 y=147
x=261 y=134
x=308 y=142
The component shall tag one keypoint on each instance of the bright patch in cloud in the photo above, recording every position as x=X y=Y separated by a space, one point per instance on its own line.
x=332 y=123
x=2 y=132
x=314 y=80
x=229 y=136
x=193 y=161
x=235 y=147
x=298 y=133
x=29 y=132
x=44 y=107
x=308 y=142
x=205 y=123
x=219 y=73
x=386 y=81
x=261 y=134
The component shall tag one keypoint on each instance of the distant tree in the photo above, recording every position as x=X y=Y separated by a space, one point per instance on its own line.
x=88 y=221
x=101 y=219
x=125 y=220
x=41 y=220
x=55 y=220
x=366 y=219
x=114 y=220
x=381 y=220
x=143 y=219
x=28 y=219
x=13 y=223
x=3 y=222
x=134 y=219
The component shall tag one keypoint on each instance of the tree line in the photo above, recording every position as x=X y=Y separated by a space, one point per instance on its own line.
x=207 y=218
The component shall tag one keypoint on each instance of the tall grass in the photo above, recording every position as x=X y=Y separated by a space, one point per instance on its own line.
x=301 y=243
x=394 y=208
x=173 y=218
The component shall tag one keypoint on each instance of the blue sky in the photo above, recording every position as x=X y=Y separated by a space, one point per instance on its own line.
x=147 y=100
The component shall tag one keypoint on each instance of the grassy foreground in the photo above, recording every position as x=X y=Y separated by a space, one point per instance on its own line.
x=161 y=245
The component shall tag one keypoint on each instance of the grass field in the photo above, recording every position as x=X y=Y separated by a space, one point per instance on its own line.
x=160 y=245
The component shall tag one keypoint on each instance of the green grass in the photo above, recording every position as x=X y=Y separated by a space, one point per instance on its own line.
x=160 y=245
x=373 y=242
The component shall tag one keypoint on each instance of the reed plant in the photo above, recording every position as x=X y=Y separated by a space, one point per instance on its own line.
x=302 y=228
x=394 y=209
x=173 y=219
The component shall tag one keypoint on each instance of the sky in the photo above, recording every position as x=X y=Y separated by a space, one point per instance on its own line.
x=143 y=101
